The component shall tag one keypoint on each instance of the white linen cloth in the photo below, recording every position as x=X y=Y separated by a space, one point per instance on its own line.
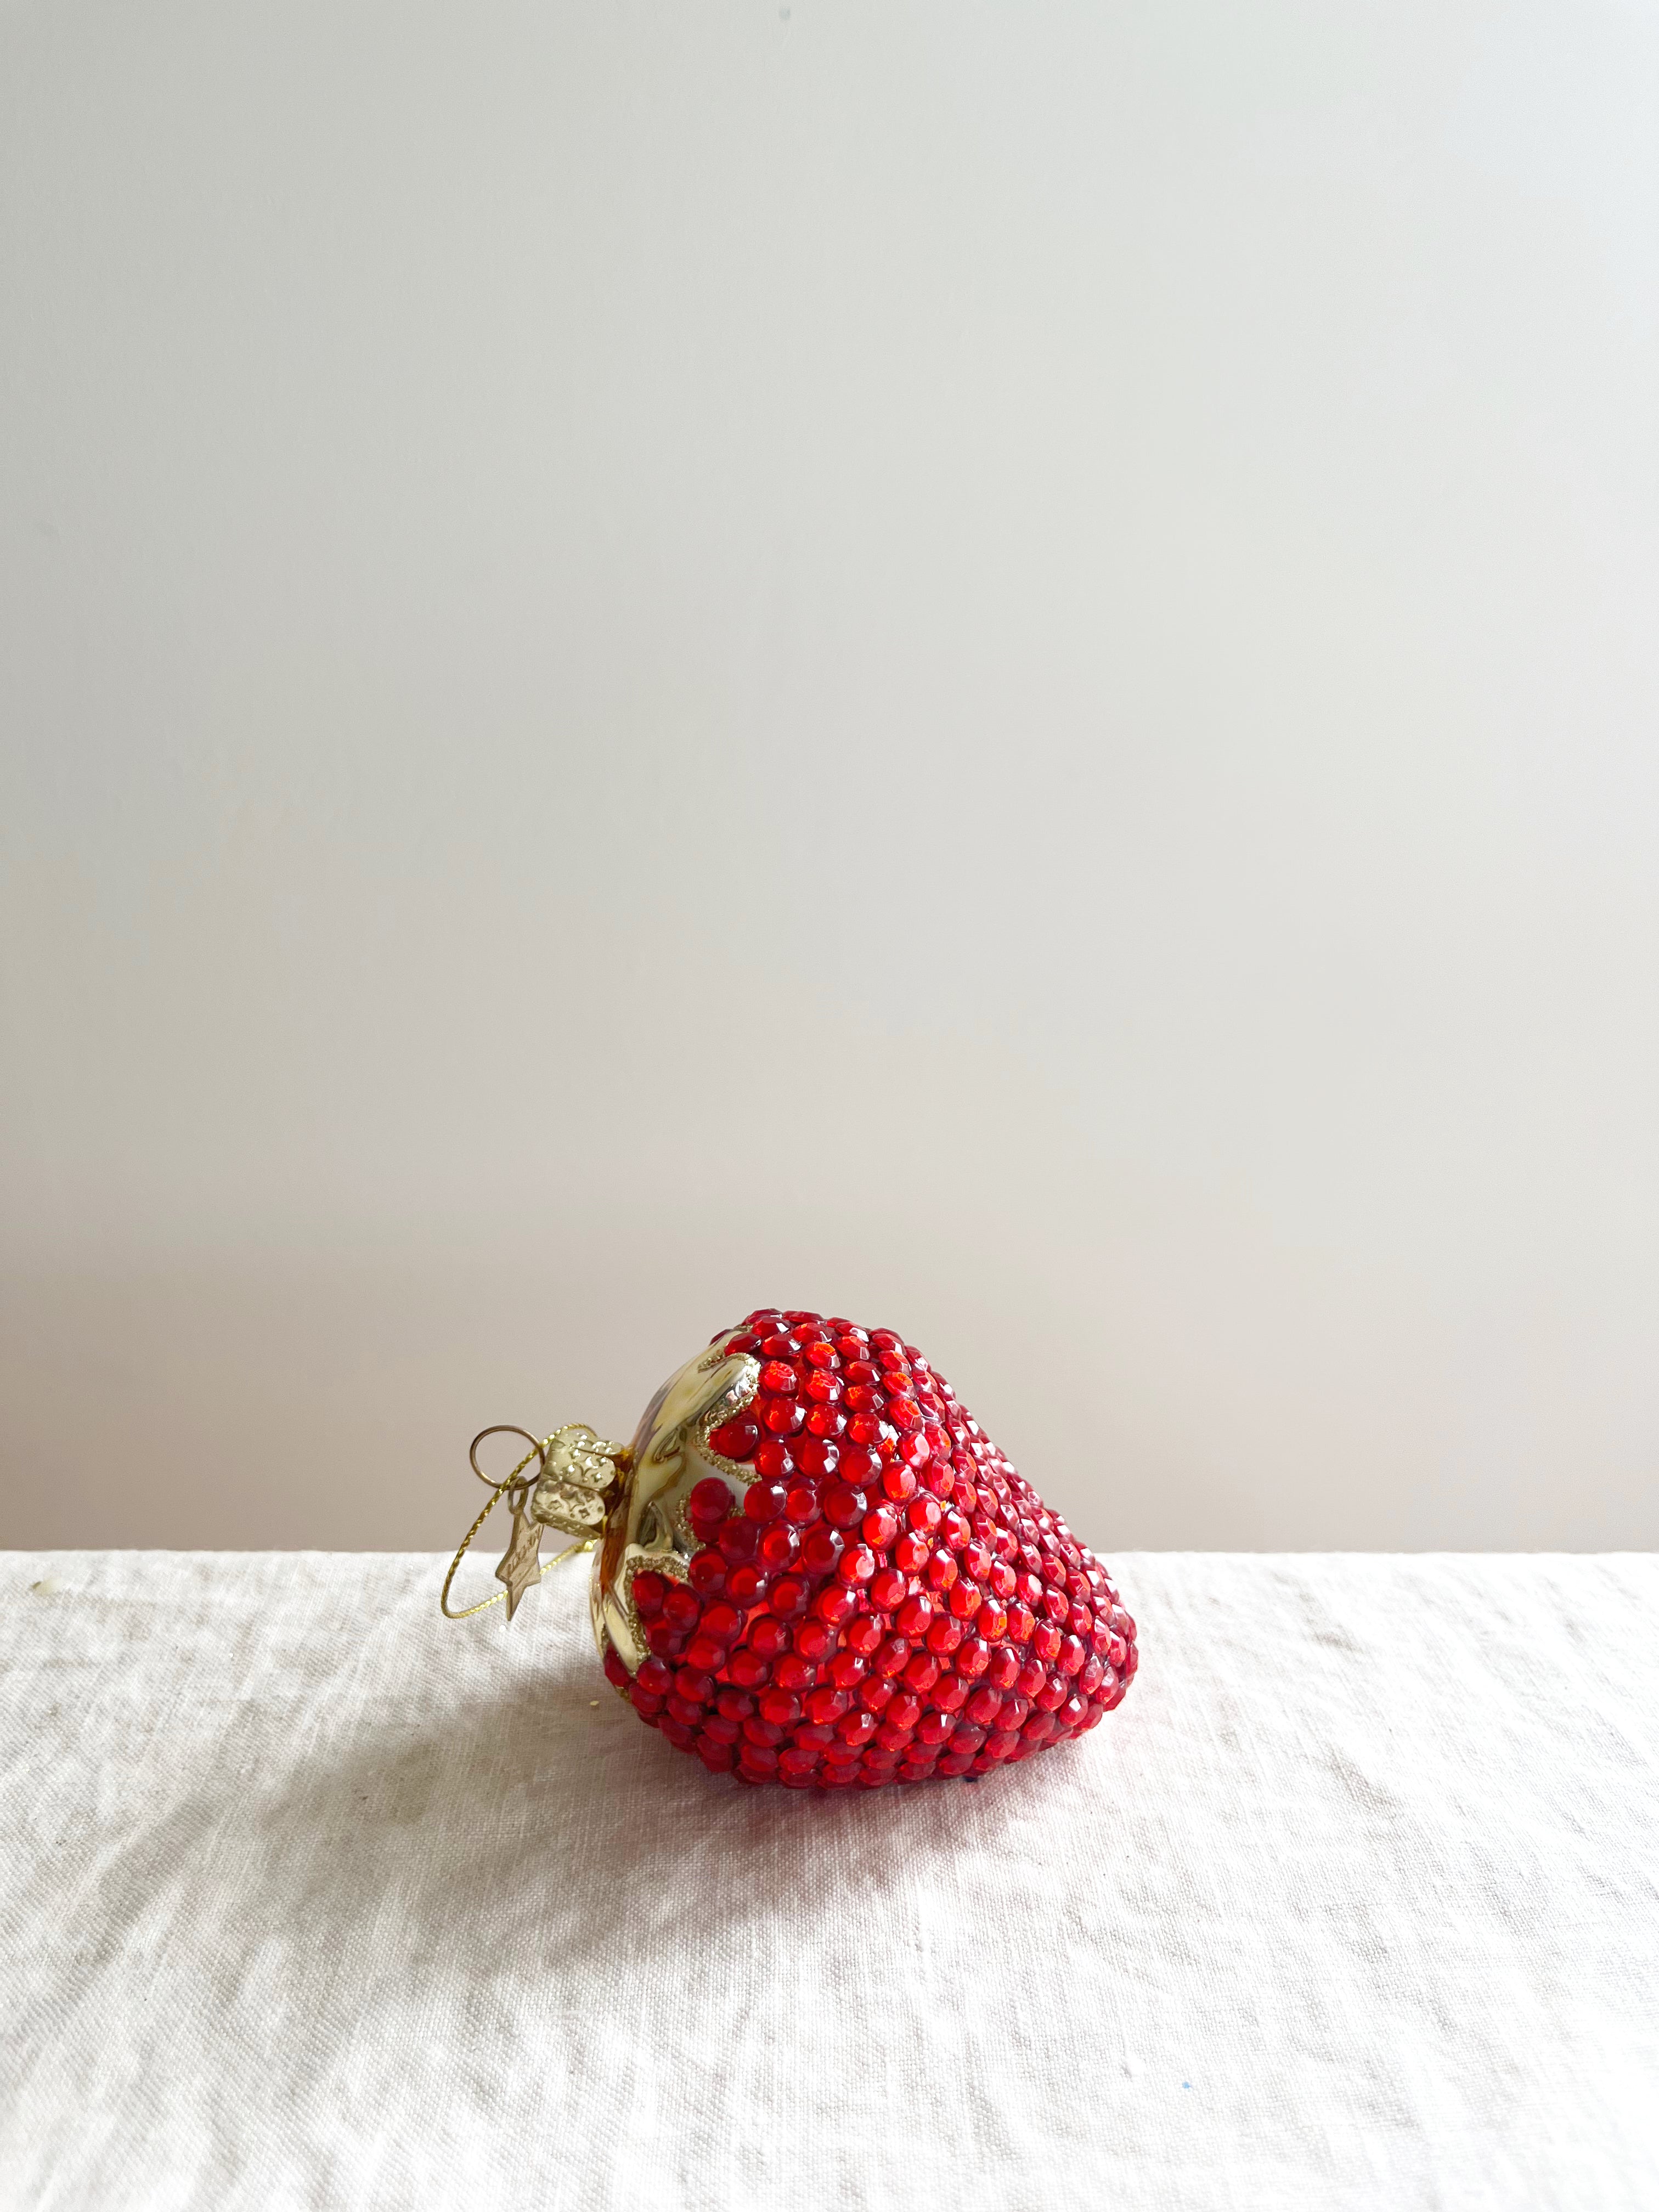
x=312 y=1898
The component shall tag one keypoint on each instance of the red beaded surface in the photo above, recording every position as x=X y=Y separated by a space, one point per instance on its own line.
x=889 y=1601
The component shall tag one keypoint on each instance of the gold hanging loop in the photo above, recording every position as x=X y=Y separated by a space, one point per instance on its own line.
x=510 y=1482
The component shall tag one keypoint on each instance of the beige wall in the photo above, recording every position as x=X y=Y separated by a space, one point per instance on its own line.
x=992 y=666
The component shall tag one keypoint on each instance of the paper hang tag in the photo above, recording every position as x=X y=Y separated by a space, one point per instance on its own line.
x=520 y=1568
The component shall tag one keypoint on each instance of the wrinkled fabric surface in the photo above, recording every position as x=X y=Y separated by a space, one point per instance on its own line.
x=312 y=1898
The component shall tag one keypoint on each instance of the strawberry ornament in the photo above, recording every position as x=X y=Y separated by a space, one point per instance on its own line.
x=812 y=1567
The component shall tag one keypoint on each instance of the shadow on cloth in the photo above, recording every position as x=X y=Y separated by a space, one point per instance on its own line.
x=536 y=1832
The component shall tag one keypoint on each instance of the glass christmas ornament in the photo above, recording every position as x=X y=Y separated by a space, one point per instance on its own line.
x=812 y=1567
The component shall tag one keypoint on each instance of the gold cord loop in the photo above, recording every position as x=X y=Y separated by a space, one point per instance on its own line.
x=511 y=1482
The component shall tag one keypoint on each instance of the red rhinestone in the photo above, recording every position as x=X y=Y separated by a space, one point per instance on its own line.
x=783 y=1416
x=815 y=1639
x=710 y=1500
x=649 y=1591
x=887 y=1588
x=737 y=1541
x=789 y=1594
x=746 y=1584
x=816 y=1457
x=843 y=1505
x=779 y=1378
x=881 y=1526
x=721 y=1621
x=681 y=1608
x=749 y=1669
x=778 y=1546
x=774 y=1460
x=826 y=1421
x=913 y=1615
x=859 y=1463
x=820 y=1549
x=764 y=1501
x=736 y=1438
x=834 y=1603
x=781 y=1347
x=769 y=1637
x=862 y=1634
x=706 y=1573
